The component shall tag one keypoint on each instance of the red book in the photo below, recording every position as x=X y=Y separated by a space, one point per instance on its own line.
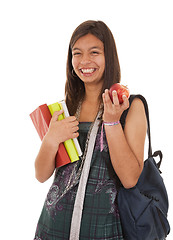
x=41 y=118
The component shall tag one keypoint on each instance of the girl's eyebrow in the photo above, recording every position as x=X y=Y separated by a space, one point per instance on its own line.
x=95 y=47
x=74 y=49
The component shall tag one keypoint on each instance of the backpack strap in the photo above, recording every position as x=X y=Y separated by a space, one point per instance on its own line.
x=123 y=119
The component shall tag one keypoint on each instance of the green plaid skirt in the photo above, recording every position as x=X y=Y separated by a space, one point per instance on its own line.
x=100 y=218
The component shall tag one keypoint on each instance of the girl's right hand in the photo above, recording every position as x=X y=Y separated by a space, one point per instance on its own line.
x=60 y=131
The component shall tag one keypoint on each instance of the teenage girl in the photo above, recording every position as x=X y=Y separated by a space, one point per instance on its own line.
x=92 y=67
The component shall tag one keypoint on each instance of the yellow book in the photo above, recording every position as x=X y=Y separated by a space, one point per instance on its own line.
x=69 y=144
x=66 y=114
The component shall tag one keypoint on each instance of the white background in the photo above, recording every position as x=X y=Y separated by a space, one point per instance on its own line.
x=34 y=38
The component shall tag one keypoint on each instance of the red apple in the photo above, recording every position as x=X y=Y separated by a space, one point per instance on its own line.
x=121 y=90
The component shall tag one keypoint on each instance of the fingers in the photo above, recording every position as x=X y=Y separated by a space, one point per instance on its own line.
x=62 y=130
x=68 y=119
x=75 y=135
x=113 y=110
x=106 y=98
x=125 y=103
x=71 y=119
x=108 y=103
x=115 y=98
x=56 y=115
x=75 y=128
x=70 y=123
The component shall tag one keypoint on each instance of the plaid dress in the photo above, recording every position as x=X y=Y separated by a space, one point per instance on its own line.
x=100 y=218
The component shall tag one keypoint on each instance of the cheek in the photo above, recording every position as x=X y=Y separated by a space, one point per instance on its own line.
x=74 y=63
x=102 y=63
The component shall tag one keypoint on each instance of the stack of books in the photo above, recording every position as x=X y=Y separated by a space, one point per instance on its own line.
x=70 y=150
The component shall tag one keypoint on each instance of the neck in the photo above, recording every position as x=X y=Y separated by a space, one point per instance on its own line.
x=88 y=109
x=92 y=94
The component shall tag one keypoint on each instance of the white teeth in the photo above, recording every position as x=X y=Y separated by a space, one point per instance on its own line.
x=87 y=70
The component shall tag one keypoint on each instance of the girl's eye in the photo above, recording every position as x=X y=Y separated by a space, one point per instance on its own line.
x=76 y=53
x=95 y=53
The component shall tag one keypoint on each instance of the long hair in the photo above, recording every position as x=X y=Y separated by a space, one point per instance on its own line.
x=74 y=88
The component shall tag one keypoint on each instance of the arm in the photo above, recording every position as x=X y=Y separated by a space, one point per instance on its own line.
x=59 y=131
x=45 y=160
x=126 y=147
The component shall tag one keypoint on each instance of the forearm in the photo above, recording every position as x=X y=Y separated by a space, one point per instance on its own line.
x=45 y=160
x=59 y=132
x=125 y=163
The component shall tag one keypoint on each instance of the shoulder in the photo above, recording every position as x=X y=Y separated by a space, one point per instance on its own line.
x=136 y=110
x=136 y=115
x=136 y=125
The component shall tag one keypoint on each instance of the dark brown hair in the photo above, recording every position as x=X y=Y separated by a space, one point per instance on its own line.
x=74 y=88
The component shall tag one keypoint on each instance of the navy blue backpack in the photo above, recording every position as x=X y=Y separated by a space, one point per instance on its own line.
x=143 y=208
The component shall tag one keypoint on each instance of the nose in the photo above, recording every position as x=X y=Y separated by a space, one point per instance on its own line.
x=85 y=59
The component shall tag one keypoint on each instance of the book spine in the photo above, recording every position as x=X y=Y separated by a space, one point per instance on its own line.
x=66 y=114
x=69 y=144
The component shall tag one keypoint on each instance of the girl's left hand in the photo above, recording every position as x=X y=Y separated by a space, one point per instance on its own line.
x=113 y=111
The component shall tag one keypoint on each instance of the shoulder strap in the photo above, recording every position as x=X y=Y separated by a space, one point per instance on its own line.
x=80 y=195
x=123 y=119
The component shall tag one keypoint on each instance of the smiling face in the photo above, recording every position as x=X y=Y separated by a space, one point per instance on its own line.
x=88 y=59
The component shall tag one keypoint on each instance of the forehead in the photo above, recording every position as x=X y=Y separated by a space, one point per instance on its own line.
x=88 y=41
